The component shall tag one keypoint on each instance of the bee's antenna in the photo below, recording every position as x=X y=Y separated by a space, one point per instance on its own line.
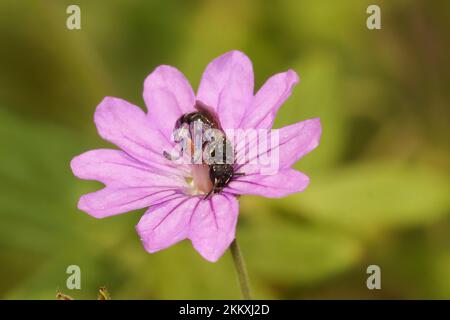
x=238 y=174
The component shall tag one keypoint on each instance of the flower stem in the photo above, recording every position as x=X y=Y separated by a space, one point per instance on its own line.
x=241 y=270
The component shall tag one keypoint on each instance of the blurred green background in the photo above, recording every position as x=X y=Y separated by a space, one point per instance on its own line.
x=380 y=178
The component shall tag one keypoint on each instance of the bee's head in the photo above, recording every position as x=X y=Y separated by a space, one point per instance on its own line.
x=220 y=175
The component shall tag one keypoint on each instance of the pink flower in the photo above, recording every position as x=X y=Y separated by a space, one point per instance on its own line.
x=139 y=176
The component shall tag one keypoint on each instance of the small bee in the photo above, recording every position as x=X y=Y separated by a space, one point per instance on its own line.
x=217 y=149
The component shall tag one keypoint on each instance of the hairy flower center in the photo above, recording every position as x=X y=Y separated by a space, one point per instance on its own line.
x=199 y=182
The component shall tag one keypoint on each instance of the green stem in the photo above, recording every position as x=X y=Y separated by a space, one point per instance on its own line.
x=241 y=270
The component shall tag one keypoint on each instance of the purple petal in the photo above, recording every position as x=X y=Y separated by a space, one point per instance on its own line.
x=111 y=201
x=227 y=87
x=167 y=223
x=116 y=168
x=269 y=99
x=213 y=226
x=210 y=224
x=294 y=142
x=128 y=127
x=130 y=184
x=168 y=95
x=297 y=140
x=285 y=182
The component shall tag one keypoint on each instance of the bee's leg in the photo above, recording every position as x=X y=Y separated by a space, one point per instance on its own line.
x=167 y=156
x=238 y=174
x=208 y=194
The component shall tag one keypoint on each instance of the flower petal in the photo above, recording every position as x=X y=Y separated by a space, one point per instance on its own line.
x=168 y=95
x=127 y=126
x=213 y=226
x=130 y=184
x=111 y=201
x=227 y=87
x=292 y=143
x=118 y=169
x=269 y=99
x=167 y=223
x=285 y=182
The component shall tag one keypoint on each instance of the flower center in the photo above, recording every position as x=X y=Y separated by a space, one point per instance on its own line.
x=199 y=182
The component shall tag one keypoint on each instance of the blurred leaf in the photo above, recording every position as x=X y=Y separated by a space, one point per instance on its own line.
x=375 y=196
x=49 y=278
x=36 y=182
x=290 y=253
x=318 y=95
x=177 y=273
x=416 y=264
x=205 y=43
